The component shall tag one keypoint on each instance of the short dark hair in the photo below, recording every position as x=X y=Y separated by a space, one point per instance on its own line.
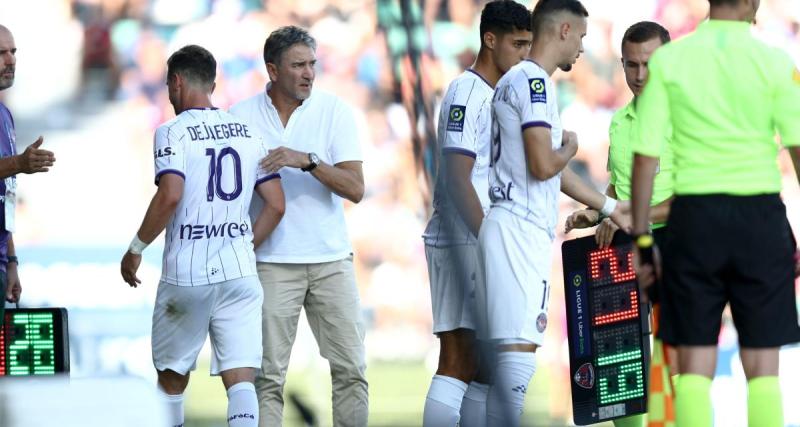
x=280 y=40
x=641 y=32
x=503 y=17
x=193 y=63
x=546 y=8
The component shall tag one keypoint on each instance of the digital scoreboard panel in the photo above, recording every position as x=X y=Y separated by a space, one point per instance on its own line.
x=607 y=329
x=34 y=341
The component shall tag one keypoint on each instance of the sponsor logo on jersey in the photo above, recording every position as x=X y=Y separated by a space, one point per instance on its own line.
x=207 y=231
x=455 y=120
x=538 y=90
x=584 y=376
x=164 y=152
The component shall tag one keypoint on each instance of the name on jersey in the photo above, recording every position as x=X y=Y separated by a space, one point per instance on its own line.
x=207 y=231
x=497 y=192
x=455 y=120
x=538 y=90
x=221 y=131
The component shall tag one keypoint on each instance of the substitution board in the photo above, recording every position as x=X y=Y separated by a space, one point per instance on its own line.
x=607 y=327
x=34 y=341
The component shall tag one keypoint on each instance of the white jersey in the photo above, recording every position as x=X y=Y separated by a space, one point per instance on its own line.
x=524 y=97
x=209 y=238
x=464 y=128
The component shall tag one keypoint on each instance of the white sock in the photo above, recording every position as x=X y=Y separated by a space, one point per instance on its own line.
x=174 y=409
x=473 y=407
x=443 y=402
x=507 y=395
x=242 y=405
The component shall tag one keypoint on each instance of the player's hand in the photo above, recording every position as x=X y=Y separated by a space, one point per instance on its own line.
x=605 y=233
x=569 y=140
x=14 y=288
x=128 y=267
x=646 y=273
x=283 y=156
x=34 y=159
x=583 y=218
x=622 y=216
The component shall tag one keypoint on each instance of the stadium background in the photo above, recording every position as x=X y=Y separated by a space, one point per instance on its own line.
x=90 y=78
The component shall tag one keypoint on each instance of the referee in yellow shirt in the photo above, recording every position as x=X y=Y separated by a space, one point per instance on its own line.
x=724 y=94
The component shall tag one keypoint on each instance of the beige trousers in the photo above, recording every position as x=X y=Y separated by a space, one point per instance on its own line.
x=329 y=294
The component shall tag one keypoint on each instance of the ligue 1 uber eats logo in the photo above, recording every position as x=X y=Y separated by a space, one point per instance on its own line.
x=455 y=121
x=538 y=90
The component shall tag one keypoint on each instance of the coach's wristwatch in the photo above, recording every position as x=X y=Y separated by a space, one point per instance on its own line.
x=314 y=159
x=644 y=240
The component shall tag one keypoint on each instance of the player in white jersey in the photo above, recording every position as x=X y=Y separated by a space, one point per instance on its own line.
x=206 y=163
x=530 y=152
x=461 y=197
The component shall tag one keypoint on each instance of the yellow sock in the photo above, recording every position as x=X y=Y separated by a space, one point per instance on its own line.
x=693 y=401
x=764 y=403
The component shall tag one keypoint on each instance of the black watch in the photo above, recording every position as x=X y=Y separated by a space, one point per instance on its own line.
x=314 y=159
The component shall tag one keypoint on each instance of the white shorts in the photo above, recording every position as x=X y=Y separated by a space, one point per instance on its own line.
x=452 y=271
x=229 y=311
x=516 y=257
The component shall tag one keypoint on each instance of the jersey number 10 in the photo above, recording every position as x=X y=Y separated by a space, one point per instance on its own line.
x=215 y=174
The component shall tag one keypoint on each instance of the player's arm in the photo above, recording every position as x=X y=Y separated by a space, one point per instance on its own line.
x=162 y=206
x=461 y=191
x=544 y=162
x=271 y=192
x=14 y=288
x=32 y=160
x=573 y=186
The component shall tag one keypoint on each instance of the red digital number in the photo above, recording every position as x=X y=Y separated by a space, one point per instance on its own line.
x=619 y=316
x=609 y=255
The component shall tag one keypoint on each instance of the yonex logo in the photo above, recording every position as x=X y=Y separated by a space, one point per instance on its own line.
x=538 y=90
x=206 y=231
x=520 y=389
x=455 y=121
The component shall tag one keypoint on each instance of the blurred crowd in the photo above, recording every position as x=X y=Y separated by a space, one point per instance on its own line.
x=110 y=58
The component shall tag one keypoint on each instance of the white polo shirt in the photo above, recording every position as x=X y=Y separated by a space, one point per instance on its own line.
x=313 y=228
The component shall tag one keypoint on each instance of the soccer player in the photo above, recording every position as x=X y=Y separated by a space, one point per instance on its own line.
x=461 y=198
x=529 y=155
x=724 y=94
x=32 y=160
x=206 y=163
x=638 y=44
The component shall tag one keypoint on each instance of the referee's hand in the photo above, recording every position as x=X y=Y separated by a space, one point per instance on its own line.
x=647 y=273
x=128 y=267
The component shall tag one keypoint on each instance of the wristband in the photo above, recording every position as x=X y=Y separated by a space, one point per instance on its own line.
x=14 y=259
x=137 y=246
x=609 y=206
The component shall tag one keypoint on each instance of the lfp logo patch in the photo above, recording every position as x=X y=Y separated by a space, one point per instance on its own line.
x=455 y=120
x=538 y=90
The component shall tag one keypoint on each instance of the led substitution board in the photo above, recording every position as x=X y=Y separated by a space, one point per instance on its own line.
x=608 y=346
x=34 y=341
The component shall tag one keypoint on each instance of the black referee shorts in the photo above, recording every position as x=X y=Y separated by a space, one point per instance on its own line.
x=729 y=249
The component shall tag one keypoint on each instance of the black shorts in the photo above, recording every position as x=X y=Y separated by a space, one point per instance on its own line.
x=654 y=292
x=729 y=249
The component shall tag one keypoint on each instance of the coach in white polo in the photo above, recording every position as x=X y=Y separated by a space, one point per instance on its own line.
x=308 y=261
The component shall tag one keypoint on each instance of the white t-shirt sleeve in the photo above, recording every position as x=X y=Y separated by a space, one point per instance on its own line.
x=532 y=100
x=461 y=131
x=168 y=152
x=345 y=141
x=261 y=174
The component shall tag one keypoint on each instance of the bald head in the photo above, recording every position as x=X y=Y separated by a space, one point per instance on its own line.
x=8 y=60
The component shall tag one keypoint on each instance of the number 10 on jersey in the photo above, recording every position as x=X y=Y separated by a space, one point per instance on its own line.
x=215 y=173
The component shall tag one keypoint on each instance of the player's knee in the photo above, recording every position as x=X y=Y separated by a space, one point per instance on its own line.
x=172 y=383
